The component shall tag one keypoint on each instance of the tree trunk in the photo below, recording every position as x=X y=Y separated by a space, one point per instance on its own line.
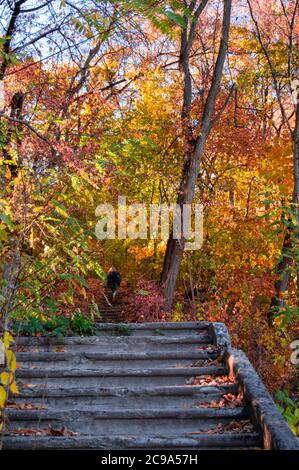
x=296 y=192
x=290 y=248
x=175 y=247
x=284 y=275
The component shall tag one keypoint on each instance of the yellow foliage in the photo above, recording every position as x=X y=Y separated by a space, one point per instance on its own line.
x=7 y=339
x=14 y=388
x=5 y=378
x=2 y=397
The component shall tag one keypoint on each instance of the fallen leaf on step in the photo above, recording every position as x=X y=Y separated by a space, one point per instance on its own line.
x=212 y=380
x=24 y=406
x=214 y=404
x=61 y=432
x=230 y=400
x=59 y=349
x=234 y=427
x=49 y=431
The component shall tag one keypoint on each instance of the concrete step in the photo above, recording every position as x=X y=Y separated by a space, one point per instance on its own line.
x=104 y=442
x=130 y=422
x=158 y=328
x=111 y=308
x=110 y=319
x=106 y=398
x=100 y=359
x=119 y=377
x=111 y=343
x=111 y=311
x=127 y=414
x=106 y=314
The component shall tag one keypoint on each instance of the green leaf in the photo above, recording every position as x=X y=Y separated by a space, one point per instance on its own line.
x=6 y=219
x=176 y=18
x=143 y=292
x=82 y=281
x=60 y=208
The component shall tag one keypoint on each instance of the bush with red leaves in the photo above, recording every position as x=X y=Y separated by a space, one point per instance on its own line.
x=146 y=303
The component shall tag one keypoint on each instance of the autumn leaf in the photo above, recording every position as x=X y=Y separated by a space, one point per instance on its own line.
x=2 y=396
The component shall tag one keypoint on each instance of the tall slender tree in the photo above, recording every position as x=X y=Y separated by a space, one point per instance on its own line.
x=284 y=84
x=194 y=146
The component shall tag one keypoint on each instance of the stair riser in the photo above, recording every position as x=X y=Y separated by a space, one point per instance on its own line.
x=152 y=363
x=34 y=357
x=114 y=427
x=109 y=381
x=102 y=402
x=116 y=344
x=125 y=442
x=156 y=332
x=107 y=317
x=113 y=309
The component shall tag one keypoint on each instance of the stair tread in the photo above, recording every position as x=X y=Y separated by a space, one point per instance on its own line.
x=137 y=355
x=122 y=372
x=175 y=390
x=98 y=339
x=128 y=413
x=133 y=442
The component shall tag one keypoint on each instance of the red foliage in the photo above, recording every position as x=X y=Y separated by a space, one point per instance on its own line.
x=82 y=296
x=146 y=303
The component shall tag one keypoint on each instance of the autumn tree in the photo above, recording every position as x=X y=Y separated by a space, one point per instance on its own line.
x=283 y=71
x=195 y=137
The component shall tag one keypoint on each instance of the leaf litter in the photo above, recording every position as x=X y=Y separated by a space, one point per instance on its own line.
x=49 y=431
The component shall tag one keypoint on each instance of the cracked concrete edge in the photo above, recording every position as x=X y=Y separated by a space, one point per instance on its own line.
x=276 y=433
x=220 y=335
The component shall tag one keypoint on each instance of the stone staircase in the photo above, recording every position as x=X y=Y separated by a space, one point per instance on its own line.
x=110 y=308
x=141 y=386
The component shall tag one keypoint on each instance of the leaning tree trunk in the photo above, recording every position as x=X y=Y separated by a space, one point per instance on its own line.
x=175 y=247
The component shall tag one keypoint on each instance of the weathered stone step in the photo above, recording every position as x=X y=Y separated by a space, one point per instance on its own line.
x=110 y=313
x=108 y=318
x=200 y=441
x=113 y=422
x=110 y=343
x=166 y=391
x=123 y=372
x=117 y=377
x=103 y=398
x=111 y=320
x=117 y=356
x=99 y=359
x=110 y=308
x=106 y=314
x=128 y=414
x=159 y=327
